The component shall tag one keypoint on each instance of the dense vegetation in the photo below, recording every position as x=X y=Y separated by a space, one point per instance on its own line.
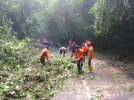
x=27 y=78
x=113 y=25
x=107 y=23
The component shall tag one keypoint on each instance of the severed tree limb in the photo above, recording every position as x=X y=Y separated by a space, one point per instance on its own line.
x=4 y=73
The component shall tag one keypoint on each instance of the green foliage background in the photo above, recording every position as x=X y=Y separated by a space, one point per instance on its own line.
x=107 y=23
x=113 y=26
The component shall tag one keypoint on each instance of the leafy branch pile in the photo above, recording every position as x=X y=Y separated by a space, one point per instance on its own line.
x=29 y=79
x=13 y=52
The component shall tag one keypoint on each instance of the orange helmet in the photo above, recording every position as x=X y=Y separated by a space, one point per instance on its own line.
x=88 y=43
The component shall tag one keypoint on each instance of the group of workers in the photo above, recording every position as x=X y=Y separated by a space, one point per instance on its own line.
x=77 y=53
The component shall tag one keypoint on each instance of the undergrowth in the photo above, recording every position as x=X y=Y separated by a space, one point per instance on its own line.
x=28 y=79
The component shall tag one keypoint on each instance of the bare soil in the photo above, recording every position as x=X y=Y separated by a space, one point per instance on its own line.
x=109 y=81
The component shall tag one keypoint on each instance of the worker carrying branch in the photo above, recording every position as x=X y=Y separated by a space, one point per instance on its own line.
x=44 y=54
x=79 y=58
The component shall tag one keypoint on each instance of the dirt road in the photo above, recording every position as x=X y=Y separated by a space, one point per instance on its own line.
x=107 y=82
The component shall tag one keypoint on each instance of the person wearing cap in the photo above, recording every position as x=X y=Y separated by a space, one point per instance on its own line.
x=84 y=49
x=79 y=58
x=90 y=56
x=43 y=55
x=62 y=49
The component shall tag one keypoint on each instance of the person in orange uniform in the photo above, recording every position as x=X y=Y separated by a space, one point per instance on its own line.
x=44 y=54
x=84 y=49
x=90 y=56
x=79 y=58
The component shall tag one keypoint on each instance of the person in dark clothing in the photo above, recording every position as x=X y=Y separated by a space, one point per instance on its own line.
x=73 y=47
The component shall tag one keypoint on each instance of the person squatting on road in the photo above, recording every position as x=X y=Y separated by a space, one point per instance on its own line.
x=44 y=54
x=79 y=58
x=90 y=56
x=84 y=49
x=62 y=49
x=73 y=47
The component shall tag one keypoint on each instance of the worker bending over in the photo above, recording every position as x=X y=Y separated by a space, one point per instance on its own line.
x=62 y=49
x=43 y=55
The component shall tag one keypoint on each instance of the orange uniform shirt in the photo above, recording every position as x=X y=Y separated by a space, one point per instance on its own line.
x=84 y=49
x=78 y=54
x=45 y=53
x=90 y=54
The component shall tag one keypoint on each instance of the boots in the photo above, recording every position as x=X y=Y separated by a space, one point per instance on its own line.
x=79 y=69
x=89 y=69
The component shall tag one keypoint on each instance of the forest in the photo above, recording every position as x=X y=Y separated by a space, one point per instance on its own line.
x=108 y=24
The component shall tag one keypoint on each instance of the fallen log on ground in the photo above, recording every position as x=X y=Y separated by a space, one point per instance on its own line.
x=73 y=60
x=4 y=73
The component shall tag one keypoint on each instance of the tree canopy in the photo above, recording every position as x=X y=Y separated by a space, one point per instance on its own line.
x=106 y=23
